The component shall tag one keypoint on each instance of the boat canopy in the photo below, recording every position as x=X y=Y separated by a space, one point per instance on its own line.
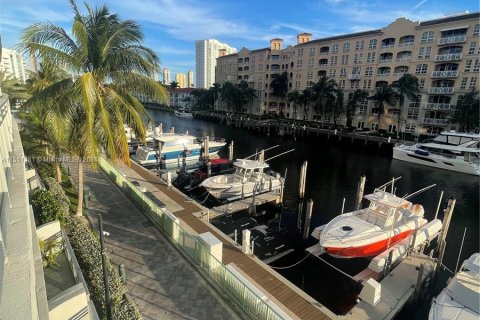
x=250 y=164
x=450 y=148
x=388 y=199
x=460 y=134
x=182 y=138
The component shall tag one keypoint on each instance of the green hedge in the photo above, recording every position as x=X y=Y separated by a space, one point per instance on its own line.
x=86 y=246
x=56 y=189
x=47 y=207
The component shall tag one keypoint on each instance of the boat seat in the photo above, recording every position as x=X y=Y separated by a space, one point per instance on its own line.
x=418 y=210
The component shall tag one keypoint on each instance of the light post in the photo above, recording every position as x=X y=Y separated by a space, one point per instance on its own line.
x=108 y=306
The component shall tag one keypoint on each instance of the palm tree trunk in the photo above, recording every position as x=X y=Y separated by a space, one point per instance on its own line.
x=80 y=188
x=58 y=172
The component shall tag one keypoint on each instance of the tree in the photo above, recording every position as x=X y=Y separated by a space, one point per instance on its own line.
x=383 y=94
x=336 y=106
x=11 y=86
x=174 y=85
x=246 y=92
x=279 y=87
x=48 y=74
x=406 y=86
x=323 y=91
x=294 y=98
x=111 y=68
x=467 y=113
x=215 y=89
x=305 y=98
x=354 y=99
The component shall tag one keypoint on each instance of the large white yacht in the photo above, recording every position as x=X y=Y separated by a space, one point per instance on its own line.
x=450 y=151
x=461 y=298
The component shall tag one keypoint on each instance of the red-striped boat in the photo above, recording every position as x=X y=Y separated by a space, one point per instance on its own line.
x=370 y=231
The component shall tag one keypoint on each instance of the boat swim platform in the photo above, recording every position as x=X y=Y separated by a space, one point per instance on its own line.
x=290 y=299
x=242 y=204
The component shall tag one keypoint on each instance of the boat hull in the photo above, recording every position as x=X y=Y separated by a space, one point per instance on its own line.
x=238 y=190
x=435 y=161
x=369 y=250
x=183 y=114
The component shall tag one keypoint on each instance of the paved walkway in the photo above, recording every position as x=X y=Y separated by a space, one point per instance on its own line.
x=161 y=282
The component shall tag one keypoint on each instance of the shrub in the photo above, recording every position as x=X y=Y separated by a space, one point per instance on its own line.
x=45 y=169
x=86 y=246
x=47 y=207
x=54 y=187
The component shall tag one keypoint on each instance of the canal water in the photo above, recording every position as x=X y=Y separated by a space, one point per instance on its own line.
x=333 y=172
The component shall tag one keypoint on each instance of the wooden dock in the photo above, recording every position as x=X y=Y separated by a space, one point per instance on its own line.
x=290 y=299
x=243 y=204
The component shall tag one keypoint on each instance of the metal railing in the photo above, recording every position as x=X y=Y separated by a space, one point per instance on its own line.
x=453 y=39
x=448 y=57
x=439 y=106
x=441 y=90
x=445 y=74
x=75 y=267
x=250 y=302
x=438 y=122
x=353 y=76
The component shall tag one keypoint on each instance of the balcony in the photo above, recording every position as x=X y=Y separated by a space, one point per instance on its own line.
x=448 y=57
x=439 y=106
x=404 y=58
x=384 y=60
x=323 y=64
x=386 y=46
x=445 y=74
x=399 y=74
x=452 y=40
x=435 y=122
x=383 y=74
x=355 y=76
x=441 y=90
x=405 y=45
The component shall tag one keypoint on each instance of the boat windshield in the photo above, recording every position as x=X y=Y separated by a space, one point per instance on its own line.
x=242 y=172
x=380 y=208
x=183 y=141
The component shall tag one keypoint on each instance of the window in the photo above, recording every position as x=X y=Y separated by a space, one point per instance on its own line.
x=346 y=47
x=421 y=68
x=476 y=30
x=335 y=48
x=300 y=52
x=343 y=72
x=424 y=52
x=371 y=57
x=473 y=82
x=463 y=84
x=359 y=45
x=421 y=84
x=309 y=74
x=372 y=44
x=473 y=46
x=333 y=73
x=476 y=67
x=410 y=128
x=299 y=63
x=311 y=51
x=363 y=111
x=412 y=113
x=392 y=127
x=468 y=65
x=367 y=84
x=361 y=124
x=356 y=70
x=333 y=61
x=427 y=37
x=368 y=71
x=345 y=59
x=358 y=58
x=310 y=62
x=341 y=84
x=297 y=84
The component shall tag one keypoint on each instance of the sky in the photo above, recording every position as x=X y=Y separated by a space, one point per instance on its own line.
x=172 y=26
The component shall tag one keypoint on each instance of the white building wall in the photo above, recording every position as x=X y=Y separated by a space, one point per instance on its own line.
x=206 y=53
x=13 y=64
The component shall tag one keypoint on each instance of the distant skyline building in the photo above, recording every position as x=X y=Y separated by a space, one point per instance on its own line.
x=166 y=76
x=206 y=53
x=180 y=79
x=190 y=83
x=13 y=64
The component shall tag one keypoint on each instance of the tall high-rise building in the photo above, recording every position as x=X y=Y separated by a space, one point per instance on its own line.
x=206 y=53
x=190 y=79
x=441 y=53
x=13 y=64
x=180 y=79
x=166 y=76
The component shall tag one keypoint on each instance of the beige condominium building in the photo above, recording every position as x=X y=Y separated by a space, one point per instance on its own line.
x=443 y=54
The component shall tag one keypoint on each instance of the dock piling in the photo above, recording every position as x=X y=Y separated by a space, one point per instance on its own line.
x=445 y=226
x=303 y=177
x=308 y=217
x=343 y=206
x=360 y=190
x=235 y=236
x=230 y=151
x=246 y=241
x=206 y=147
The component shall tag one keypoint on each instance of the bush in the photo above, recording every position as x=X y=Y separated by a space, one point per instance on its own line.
x=47 y=207
x=86 y=246
x=54 y=187
x=45 y=169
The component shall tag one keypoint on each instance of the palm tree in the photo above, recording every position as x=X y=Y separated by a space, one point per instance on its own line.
x=337 y=106
x=11 y=86
x=279 y=87
x=354 y=99
x=48 y=74
x=323 y=91
x=294 y=98
x=383 y=94
x=215 y=89
x=305 y=99
x=112 y=68
x=246 y=93
x=406 y=86
x=174 y=85
x=467 y=113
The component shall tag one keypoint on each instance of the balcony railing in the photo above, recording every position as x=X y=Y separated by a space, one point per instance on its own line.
x=383 y=74
x=439 y=106
x=385 y=46
x=324 y=53
x=435 y=122
x=404 y=58
x=441 y=90
x=323 y=64
x=445 y=74
x=405 y=45
x=448 y=57
x=399 y=74
x=355 y=76
x=384 y=60
x=451 y=40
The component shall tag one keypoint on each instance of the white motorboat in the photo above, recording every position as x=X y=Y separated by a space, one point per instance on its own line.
x=183 y=112
x=450 y=151
x=170 y=148
x=461 y=298
x=249 y=176
x=132 y=140
x=370 y=231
